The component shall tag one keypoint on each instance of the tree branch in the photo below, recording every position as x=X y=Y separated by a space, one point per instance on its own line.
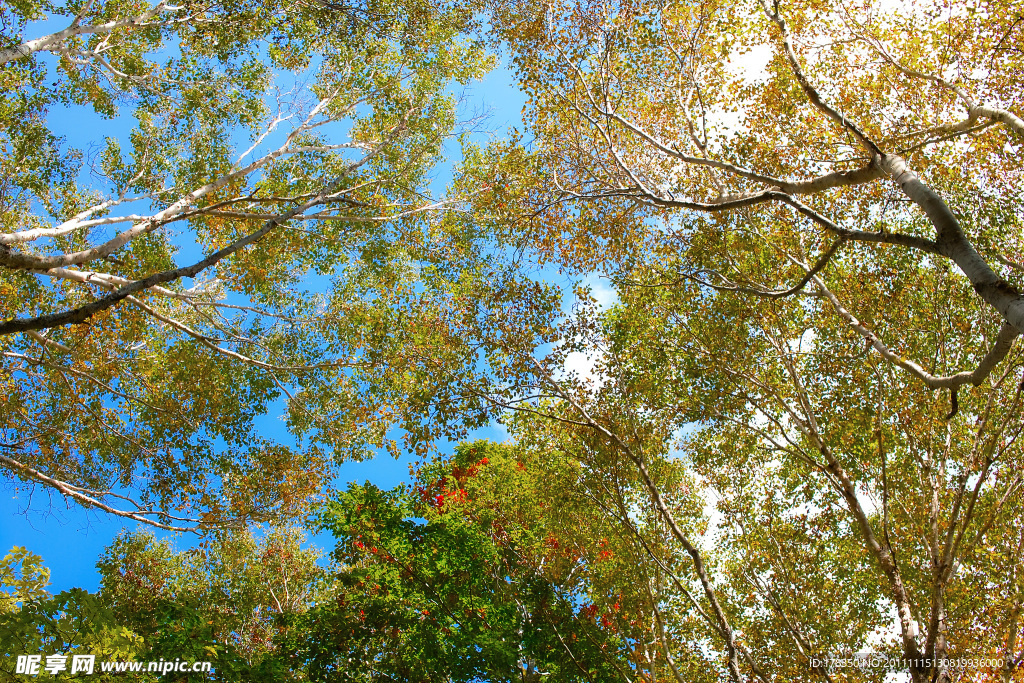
x=996 y=354
x=666 y=514
x=83 y=497
x=75 y=29
x=85 y=312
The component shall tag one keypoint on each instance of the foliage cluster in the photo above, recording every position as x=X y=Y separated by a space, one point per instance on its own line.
x=797 y=435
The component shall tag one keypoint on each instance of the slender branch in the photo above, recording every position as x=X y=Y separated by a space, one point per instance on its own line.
x=781 y=294
x=85 y=375
x=24 y=261
x=809 y=90
x=858 y=176
x=880 y=549
x=803 y=645
x=48 y=343
x=109 y=281
x=666 y=514
x=974 y=110
x=79 y=494
x=1007 y=262
x=1004 y=342
x=85 y=312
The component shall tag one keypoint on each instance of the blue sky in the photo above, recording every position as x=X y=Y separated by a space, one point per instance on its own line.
x=71 y=539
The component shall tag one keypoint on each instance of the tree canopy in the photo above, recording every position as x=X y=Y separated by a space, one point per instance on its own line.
x=796 y=437
x=255 y=235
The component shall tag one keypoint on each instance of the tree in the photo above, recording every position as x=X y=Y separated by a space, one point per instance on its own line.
x=466 y=575
x=225 y=602
x=488 y=567
x=35 y=621
x=23 y=572
x=278 y=155
x=803 y=256
x=632 y=112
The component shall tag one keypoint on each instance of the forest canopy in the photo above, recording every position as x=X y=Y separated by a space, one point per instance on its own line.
x=795 y=435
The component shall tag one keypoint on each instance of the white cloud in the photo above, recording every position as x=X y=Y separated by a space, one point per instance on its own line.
x=752 y=67
x=602 y=291
x=584 y=366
